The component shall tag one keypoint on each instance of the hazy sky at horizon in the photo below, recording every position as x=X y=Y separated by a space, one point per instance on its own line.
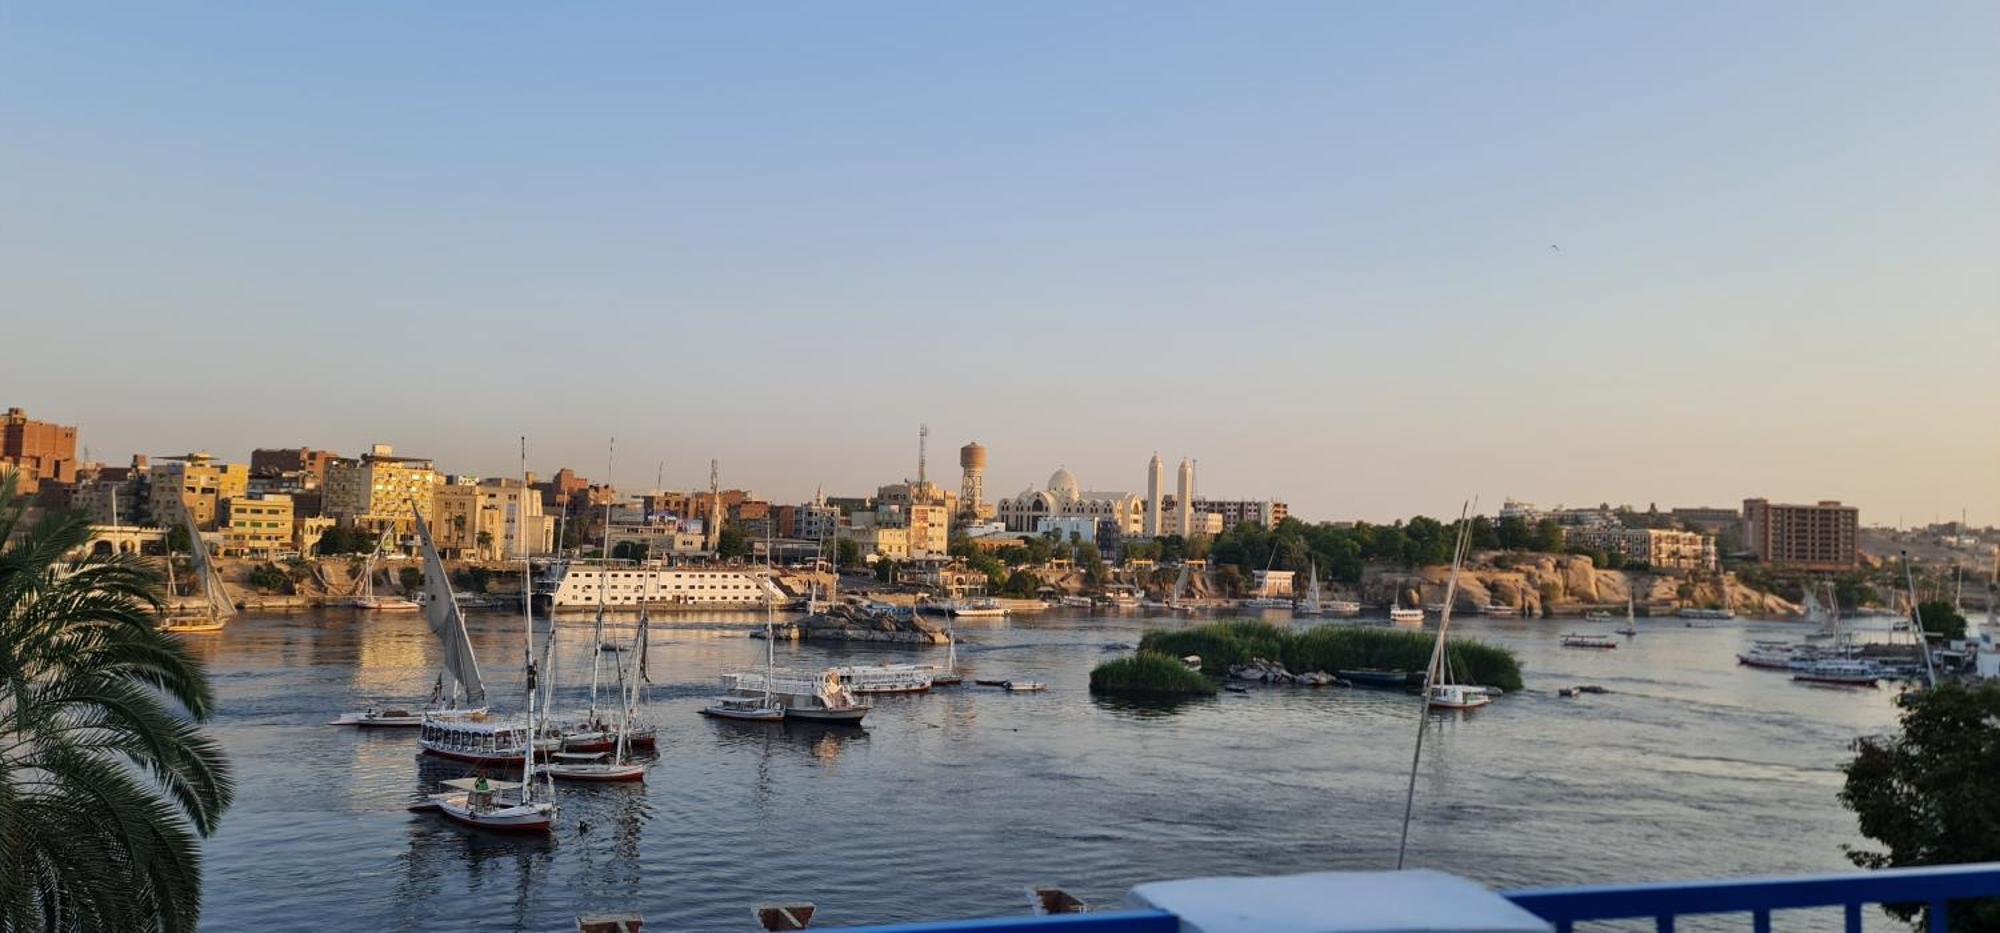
x=1371 y=259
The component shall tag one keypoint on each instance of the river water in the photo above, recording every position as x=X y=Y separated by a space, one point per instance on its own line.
x=950 y=804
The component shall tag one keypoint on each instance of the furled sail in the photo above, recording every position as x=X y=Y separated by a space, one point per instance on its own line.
x=441 y=611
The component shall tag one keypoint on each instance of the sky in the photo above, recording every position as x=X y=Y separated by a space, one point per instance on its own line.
x=1370 y=259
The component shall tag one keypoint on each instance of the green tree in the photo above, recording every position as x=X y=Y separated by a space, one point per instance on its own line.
x=269 y=577
x=485 y=541
x=731 y=543
x=630 y=550
x=177 y=539
x=1023 y=584
x=846 y=554
x=1514 y=534
x=1927 y=794
x=1941 y=619
x=106 y=783
x=411 y=578
x=885 y=571
x=1548 y=536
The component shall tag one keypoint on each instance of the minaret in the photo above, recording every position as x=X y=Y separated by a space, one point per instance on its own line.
x=712 y=529
x=1156 y=476
x=1184 y=499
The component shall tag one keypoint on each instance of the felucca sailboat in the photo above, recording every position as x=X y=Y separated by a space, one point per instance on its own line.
x=215 y=609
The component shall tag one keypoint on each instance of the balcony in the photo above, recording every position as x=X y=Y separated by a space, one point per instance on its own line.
x=1433 y=901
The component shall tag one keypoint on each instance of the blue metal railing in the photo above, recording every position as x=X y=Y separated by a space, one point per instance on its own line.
x=1758 y=897
x=1565 y=907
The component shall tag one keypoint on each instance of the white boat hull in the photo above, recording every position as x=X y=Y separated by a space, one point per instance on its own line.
x=529 y=818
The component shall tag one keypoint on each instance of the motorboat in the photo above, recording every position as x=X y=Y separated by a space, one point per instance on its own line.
x=1839 y=672
x=1024 y=686
x=821 y=697
x=1500 y=611
x=1458 y=696
x=592 y=767
x=1767 y=656
x=373 y=718
x=1373 y=677
x=886 y=678
x=1581 y=640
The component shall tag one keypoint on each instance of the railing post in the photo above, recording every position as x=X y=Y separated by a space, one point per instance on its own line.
x=1664 y=923
x=1854 y=918
x=1760 y=921
x=1940 y=919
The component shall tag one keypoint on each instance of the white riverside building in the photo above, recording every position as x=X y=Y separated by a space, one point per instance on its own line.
x=627 y=585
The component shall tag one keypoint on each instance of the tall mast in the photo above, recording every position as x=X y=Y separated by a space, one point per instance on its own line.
x=1438 y=663
x=527 y=629
x=603 y=572
x=1917 y=622
x=770 y=610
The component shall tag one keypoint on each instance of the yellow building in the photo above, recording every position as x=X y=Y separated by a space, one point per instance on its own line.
x=257 y=527
x=881 y=540
x=202 y=484
x=375 y=491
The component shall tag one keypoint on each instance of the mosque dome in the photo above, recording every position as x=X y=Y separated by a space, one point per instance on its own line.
x=1063 y=486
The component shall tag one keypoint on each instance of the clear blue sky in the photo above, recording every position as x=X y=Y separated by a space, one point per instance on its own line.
x=1309 y=244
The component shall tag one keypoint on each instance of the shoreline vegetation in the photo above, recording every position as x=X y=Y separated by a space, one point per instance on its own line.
x=1321 y=648
x=1150 y=674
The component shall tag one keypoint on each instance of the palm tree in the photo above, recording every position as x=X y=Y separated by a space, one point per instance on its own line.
x=106 y=781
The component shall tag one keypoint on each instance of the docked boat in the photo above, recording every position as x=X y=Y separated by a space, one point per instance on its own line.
x=1458 y=696
x=1631 y=626
x=365 y=598
x=1581 y=640
x=1705 y=615
x=984 y=607
x=1076 y=602
x=1024 y=686
x=809 y=697
x=762 y=705
x=1840 y=672
x=1342 y=607
x=1122 y=597
x=1596 y=616
x=1402 y=616
x=1769 y=656
x=501 y=806
x=1311 y=604
x=1500 y=611
x=213 y=610
x=1442 y=688
x=592 y=768
x=867 y=679
x=1375 y=677
x=387 y=718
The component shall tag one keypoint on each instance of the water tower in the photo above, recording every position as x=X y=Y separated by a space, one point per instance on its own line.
x=972 y=487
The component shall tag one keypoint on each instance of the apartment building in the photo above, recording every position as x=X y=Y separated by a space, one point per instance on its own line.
x=256 y=527
x=1659 y=548
x=203 y=483
x=39 y=451
x=375 y=491
x=1822 y=536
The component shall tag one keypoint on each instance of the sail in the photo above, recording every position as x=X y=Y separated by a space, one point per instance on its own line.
x=211 y=581
x=441 y=611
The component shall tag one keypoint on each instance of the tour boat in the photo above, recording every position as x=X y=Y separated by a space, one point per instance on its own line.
x=886 y=678
x=753 y=709
x=1076 y=602
x=1500 y=611
x=1841 y=672
x=1705 y=615
x=215 y=609
x=1595 y=616
x=1401 y=616
x=1342 y=607
x=485 y=804
x=981 y=608
x=1580 y=640
x=1458 y=696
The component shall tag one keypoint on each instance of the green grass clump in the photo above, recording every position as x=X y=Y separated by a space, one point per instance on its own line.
x=1331 y=648
x=1148 y=674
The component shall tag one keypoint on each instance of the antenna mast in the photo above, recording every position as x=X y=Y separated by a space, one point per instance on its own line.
x=923 y=449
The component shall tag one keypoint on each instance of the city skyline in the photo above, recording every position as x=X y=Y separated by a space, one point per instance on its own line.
x=1369 y=261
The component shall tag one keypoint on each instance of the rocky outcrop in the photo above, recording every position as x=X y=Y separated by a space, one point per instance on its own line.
x=1559 y=584
x=849 y=622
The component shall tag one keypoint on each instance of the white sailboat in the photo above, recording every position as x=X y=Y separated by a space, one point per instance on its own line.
x=459 y=692
x=1441 y=687
x=1631 y=626
x=1310 y=606
x=215 y=608
x=761 y=706
x=365 y=598
x=1178 y=601
x=1264 y=599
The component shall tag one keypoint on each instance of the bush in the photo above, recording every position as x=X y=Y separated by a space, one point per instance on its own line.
x=1148 y=674
x=1331 y=648
x=269 y=577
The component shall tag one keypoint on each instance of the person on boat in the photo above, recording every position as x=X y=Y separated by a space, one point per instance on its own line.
x=481 y=785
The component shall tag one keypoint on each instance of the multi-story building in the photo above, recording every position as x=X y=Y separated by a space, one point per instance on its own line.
x=257 y=527
x=1823 y=536
x=494 y=519
x=660 y=538
x=1065 y=499
x=1659 y=548
x=203 y=483
x=375 y=491
x=303 y=466
x=1265 y=513
x=306 y=531
x=38 y=451
x=881 y=540
x=1715 y=521
x=815 y=521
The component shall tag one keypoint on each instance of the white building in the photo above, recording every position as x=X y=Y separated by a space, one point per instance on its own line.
x=1065 y=499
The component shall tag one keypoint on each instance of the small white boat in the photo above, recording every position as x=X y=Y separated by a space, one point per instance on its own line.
x=373 y=718
x=1458 y=696
x=981 y=608
x=485 y=804
x=1024 y=686
x=1342 y=607
x=1075 y=602
x=1500 y=611
x=1402 y=616
x=592 y=767
x=748 y=709
x=1261 y=602
x=1598 y=617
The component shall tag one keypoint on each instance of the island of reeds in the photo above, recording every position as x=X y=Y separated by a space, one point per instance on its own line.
x=1156 y=668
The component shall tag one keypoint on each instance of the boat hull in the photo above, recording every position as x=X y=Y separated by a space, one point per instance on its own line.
x=770 y=715
x=530 y=819
x=849 y=717
x=596 y=774
x=1396 y=680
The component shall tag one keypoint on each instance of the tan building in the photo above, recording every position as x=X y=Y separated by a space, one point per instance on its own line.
x=203 y=484
x=257 y=527
x=38 y=450
x=1659 y=548
x=1823 y=536
x=490 y=520
x=880 y=540
x=306 y=532
x=375 y=491
x=661 y=539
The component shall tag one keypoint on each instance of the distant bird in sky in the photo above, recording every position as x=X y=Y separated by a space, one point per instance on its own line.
x=1555 y=247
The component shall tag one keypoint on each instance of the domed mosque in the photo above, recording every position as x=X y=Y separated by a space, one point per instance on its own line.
x=1064 y=498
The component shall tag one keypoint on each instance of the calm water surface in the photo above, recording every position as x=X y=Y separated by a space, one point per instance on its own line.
x=950 y=803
